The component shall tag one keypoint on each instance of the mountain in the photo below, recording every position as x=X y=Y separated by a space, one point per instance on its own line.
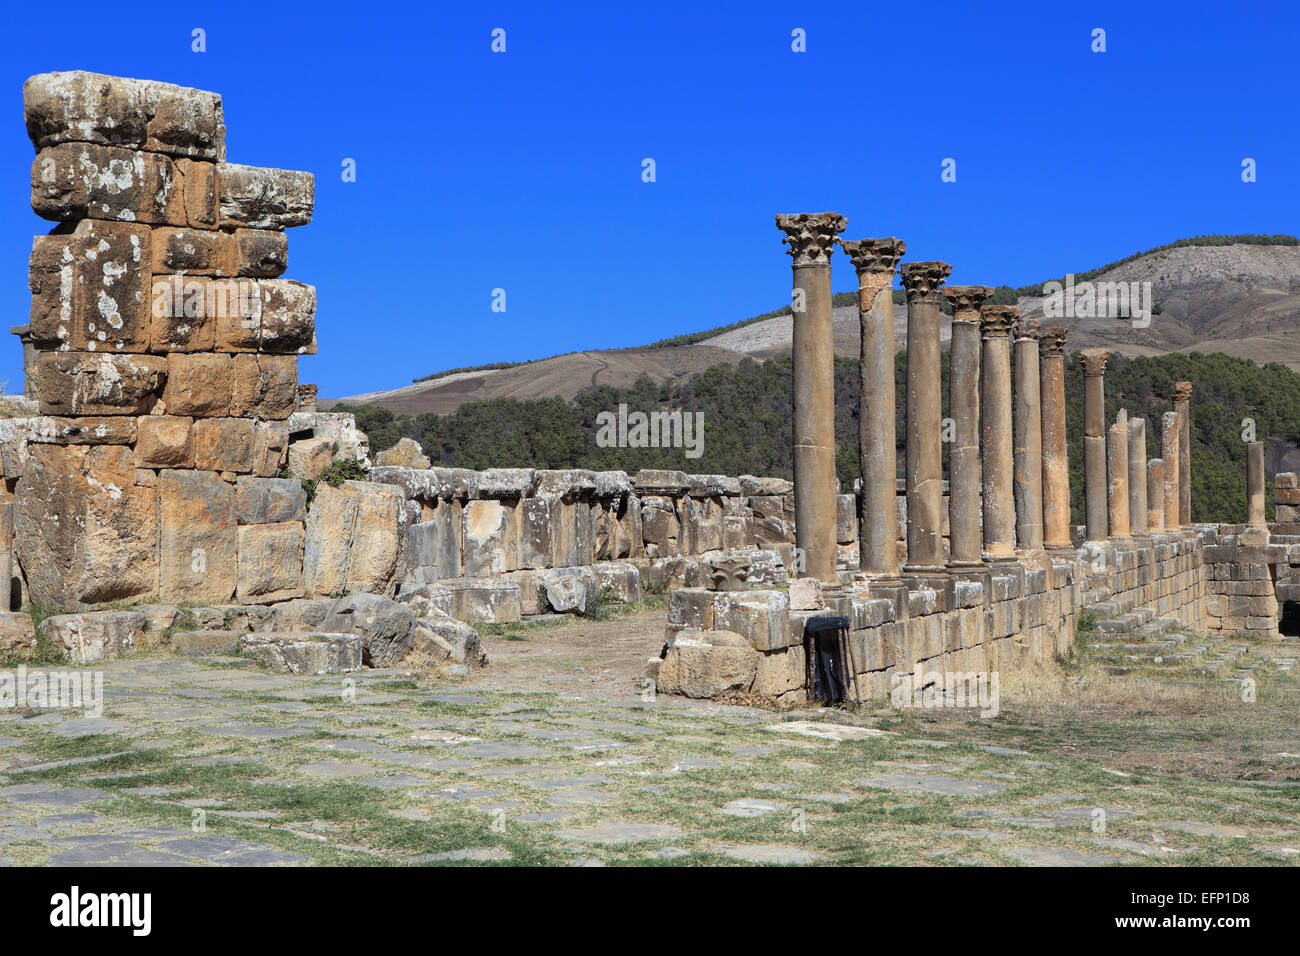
x=1239 y=298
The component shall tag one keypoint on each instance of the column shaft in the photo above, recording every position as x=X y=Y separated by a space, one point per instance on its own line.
x=1056 y=460
x=1117 y=476
x=1183 y=406
x=965 y=541
x=997 y=455
x=1255 y=484
x=1028 y=435
x=1156 y=494
x=1137 y=475
x=1169 y=451
x=1094 y=444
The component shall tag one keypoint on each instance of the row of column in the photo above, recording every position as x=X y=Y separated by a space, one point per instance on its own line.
x=1008 y=463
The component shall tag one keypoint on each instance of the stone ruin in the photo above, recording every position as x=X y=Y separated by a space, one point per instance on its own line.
x=163 y=462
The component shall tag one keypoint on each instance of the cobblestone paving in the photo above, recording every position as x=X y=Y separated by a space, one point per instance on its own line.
x=220 y=763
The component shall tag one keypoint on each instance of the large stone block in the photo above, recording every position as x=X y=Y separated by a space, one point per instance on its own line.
x=97 y=636
x=288 y=317
x=199 y=193
x=433 y=546
x=89 y=383
x=164 y=441
x=260 y=198
x=80 y=181
x=269 y=500
x=17 y=634
x=90 y=289
x=485 y=601
x=491 y=537
x=270 y=448
x=90 y=430
x=202 y=252
x=539 y=524
x=76 y=106
x=199 y=537
x=305 y=652
x=384 y=626
x=311 y=456
x=223 y=444
x=85 y=533
x=270 y=562
x=705 y=664
x=179 y=317
x=265 y=386
x=355 y=538
x=261 y=252
x=198 y=385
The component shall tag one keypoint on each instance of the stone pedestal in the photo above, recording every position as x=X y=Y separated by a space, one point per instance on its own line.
x=875 y=261
x=1137 y=475
x=1183 y=406
x=1056 y=457
x=1169 y=450
x=995 y=429
x=921 y=281
x=1094 y=444
x=1027 y=427
x=811 y=238
x=1255 y=484
x=964 y=471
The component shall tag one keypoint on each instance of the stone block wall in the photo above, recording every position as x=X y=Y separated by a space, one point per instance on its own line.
x=165 y=354
x=1164 y=571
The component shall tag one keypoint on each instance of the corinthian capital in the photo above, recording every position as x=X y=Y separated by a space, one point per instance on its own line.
x=921 y=280
x=1028 y=329
x=811 y=235
x=1051 y=341
x=1094 y=361
x=966 y=301
x=1182 y=391
x=874 y=256
x=996 y=320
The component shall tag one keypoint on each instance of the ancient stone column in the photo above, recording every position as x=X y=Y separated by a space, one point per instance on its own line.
x=24 y=333
x=1255 y=484
x=1056 y=456
x=307 y=397
x=811 y=238
x=995 y=433
x=1027 y=426
x=1137 y=475
x=1169 y=450
x=1117 y=476
x=964 y=472
x=1094 y=443
x=1156 y=494
x=921 y=281
x=1183 y=406
x=875 y=261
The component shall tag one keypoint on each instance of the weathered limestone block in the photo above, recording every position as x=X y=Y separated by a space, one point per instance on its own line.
x=846 y=519
x=311 y=456
x=288 y=317
x=76 y=106
x=198 y=192
x=85 y=532
x=780 y=672
x=17 y=634
x=705 y=664
x=270 y=448
x=89 y=383
x=442 y=637
x=619 y=580
x=701 y=524
x=303 y=614
x=611 y=538
x=181 y=249
x=752 y=485
x=164 y=441
x=420 y=484
x=80 y=181
x=342 y=428
x=236 y=309
x=223 y=444
x=503 y=483
x=660 y=528
x=96 y=636
x=257 y=197
x=90 y=289
x=305 y=652
x=485 y=601
x=385 y=626
x=491 y=537
x=90 y=430
x=198 y=385
x=265 y=386
x=539 y=531
x=270 y=562
x=762 y=618
x=569 y=589
x=199 y=538
x=263 y=253
x=208 y=643
x=179 y=319
x=406 y=454
x=433 y=547
x=653 y=481
x=569 y=483
x=355 y=537
x=269 y=500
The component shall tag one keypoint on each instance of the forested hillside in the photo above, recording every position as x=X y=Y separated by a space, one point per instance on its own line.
x=747 y=422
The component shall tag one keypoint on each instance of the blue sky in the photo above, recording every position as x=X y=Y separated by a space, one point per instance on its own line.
x=522 y=170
